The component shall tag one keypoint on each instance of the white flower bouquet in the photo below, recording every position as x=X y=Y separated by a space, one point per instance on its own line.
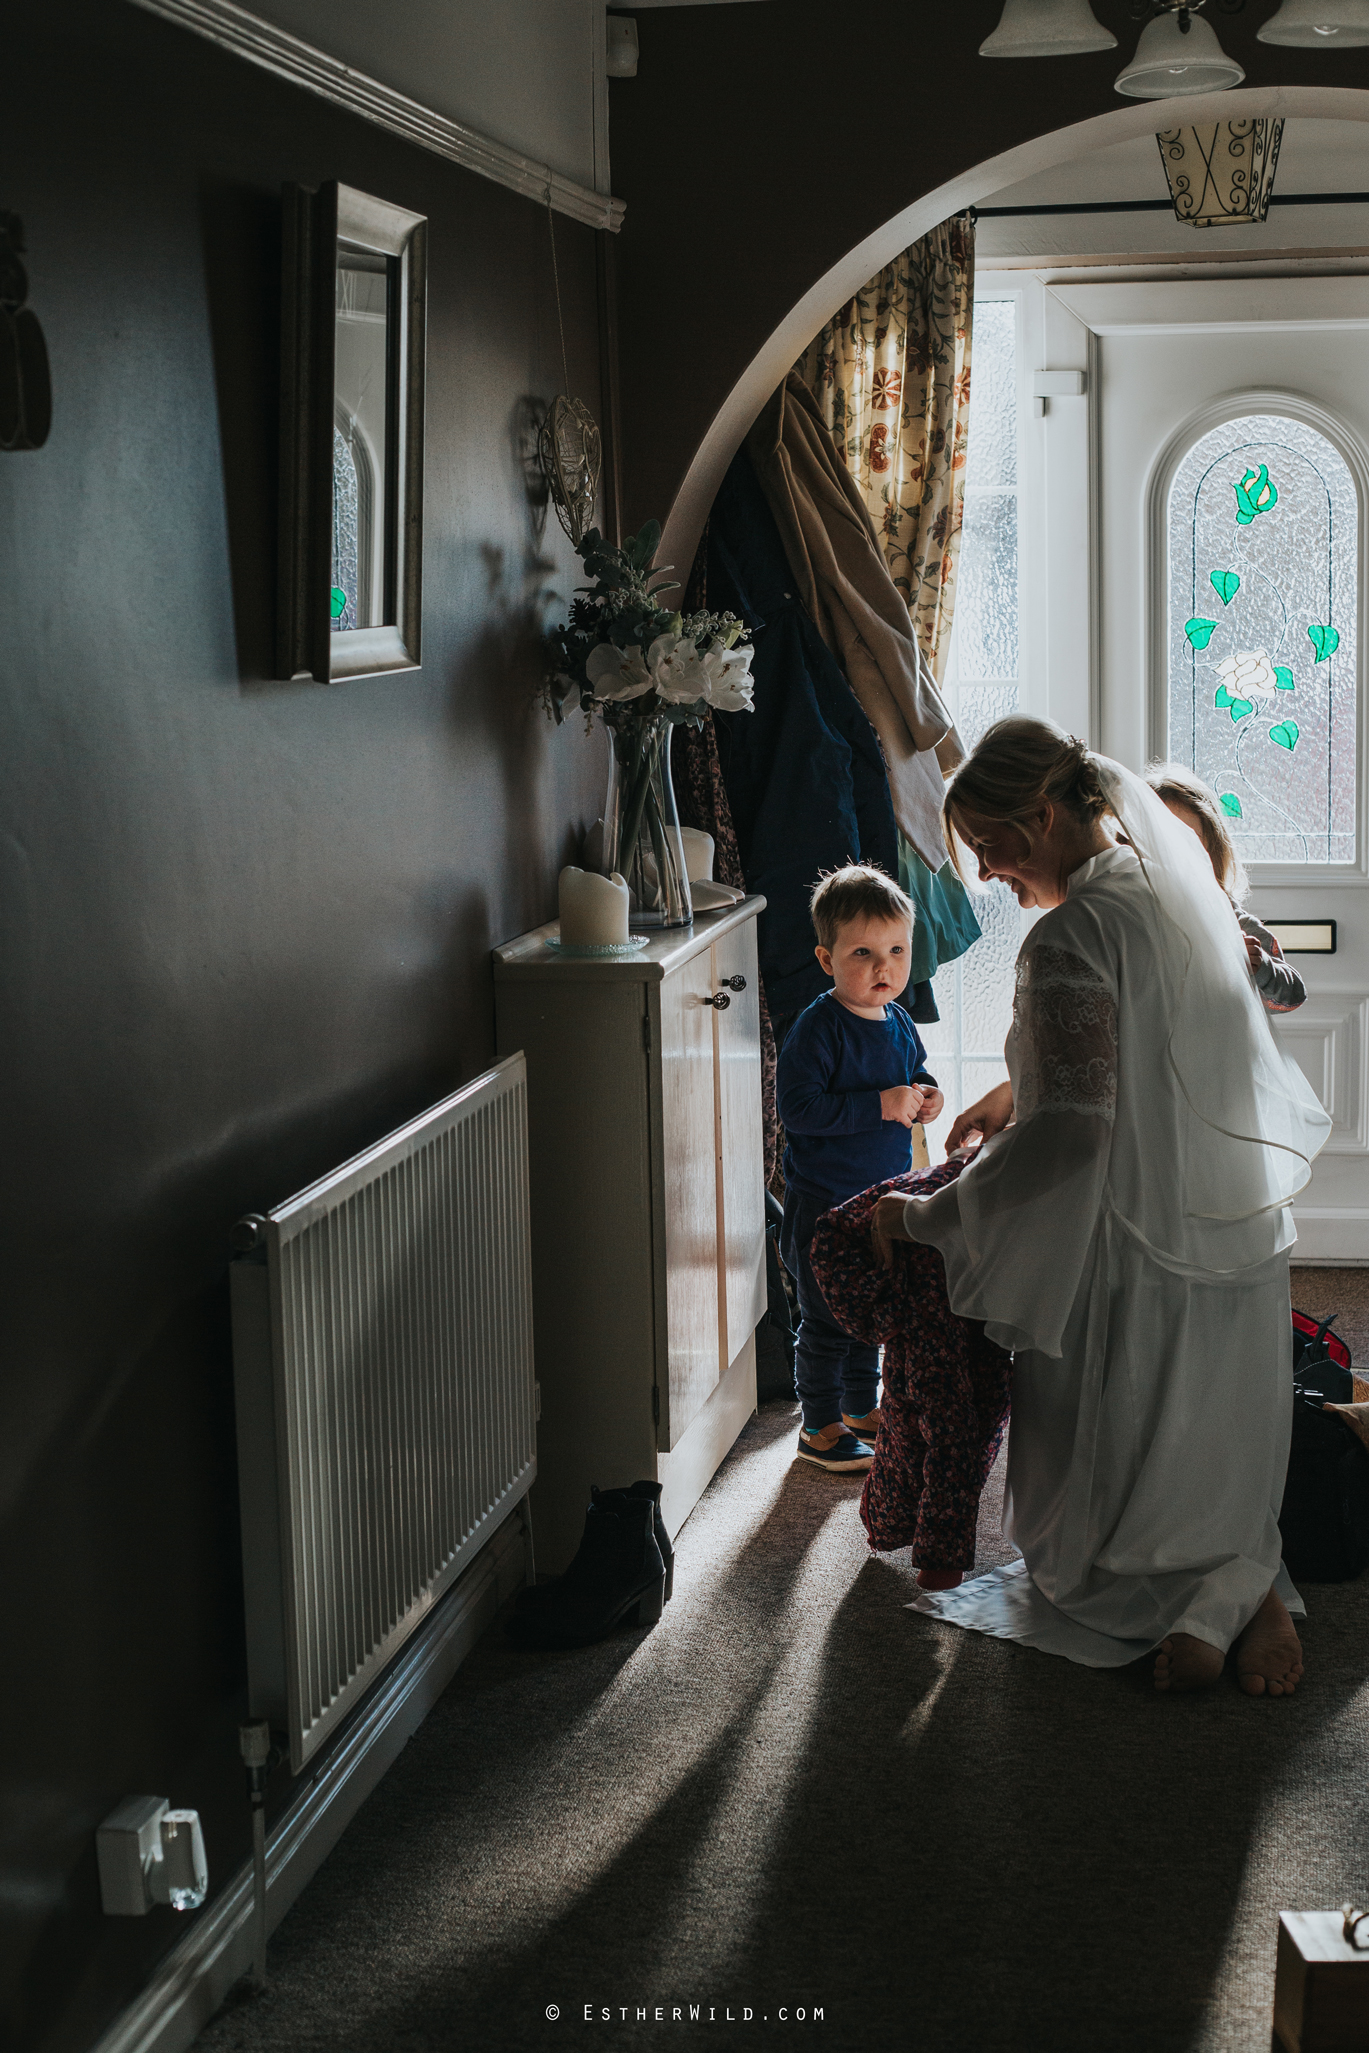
x=644 y=670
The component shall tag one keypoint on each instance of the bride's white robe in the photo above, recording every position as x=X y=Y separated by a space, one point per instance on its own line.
x=1151 y=1405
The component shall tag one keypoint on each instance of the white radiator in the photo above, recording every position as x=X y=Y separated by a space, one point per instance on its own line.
x=382 y=1343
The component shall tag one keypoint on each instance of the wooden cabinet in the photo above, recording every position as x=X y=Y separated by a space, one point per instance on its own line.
x=648 y=1208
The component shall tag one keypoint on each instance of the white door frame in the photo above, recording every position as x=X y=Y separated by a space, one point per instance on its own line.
x=1330 y=1034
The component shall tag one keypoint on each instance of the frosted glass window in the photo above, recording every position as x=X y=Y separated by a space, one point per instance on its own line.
x=974 y=995
x=346 y=497
x=1263 y=525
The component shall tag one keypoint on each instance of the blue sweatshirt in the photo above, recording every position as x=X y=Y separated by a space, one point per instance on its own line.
x=831 y=1071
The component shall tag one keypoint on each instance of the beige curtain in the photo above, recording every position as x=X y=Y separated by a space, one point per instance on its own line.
x=891 y=375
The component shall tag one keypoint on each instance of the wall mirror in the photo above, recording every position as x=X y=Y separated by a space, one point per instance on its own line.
x=352 y=364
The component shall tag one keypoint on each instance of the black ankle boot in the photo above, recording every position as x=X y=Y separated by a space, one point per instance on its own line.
x=538 y=1594
x=651 y=1491
x=616 y=1578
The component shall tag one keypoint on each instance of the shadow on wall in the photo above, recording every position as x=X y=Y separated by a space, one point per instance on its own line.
x=161 y=1580
x=241 y=236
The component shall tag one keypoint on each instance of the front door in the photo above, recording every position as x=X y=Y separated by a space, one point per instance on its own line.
x=1231 y=425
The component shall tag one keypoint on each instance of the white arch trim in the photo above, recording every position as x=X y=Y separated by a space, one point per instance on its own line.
x=729 y=426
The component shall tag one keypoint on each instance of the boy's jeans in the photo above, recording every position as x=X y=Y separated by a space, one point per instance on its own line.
x=833 y=1372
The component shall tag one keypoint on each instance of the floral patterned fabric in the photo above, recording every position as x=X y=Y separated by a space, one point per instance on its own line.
x=944 y=1403
x=891 y=374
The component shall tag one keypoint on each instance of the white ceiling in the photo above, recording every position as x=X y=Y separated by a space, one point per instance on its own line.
x=1315 y=156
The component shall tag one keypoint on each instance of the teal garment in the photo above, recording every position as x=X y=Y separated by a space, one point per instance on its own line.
x=946 y=925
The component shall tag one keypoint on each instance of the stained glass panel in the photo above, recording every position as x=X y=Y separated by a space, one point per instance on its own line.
x=1262 y=609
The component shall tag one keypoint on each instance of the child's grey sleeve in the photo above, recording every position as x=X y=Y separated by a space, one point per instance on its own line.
x=1280 y=987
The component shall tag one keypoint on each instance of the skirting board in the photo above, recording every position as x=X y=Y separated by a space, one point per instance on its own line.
x=1330 y=1236
x=189 y=1985
x=689 y=1468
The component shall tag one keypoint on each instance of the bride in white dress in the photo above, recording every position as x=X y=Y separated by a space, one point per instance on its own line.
x=1125 y=1230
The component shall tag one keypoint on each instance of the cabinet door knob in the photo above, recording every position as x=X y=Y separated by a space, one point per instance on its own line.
x=734 y=983
x=720 y=1000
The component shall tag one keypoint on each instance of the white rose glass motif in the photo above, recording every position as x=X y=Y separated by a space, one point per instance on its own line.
x=1263 y=527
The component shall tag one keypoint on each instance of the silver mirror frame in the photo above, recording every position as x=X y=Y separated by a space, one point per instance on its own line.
x=314 y=223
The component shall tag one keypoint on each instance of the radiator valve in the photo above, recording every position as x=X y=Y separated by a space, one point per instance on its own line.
x=149 y=1854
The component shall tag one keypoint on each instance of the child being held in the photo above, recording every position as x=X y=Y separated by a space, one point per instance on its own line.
x=1280 y=987
x=851 y=1084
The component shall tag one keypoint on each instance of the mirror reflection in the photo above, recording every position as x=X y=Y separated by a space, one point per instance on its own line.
x=362 y=434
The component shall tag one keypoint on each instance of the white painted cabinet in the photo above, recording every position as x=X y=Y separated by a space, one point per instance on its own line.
x=648 y=1208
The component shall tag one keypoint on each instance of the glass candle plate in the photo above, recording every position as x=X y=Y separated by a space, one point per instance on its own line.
x=607 y=949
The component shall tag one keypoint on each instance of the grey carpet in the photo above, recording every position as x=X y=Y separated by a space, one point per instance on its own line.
x=796 y=1792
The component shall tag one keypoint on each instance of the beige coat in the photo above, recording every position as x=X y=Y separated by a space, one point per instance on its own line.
x=843 y=582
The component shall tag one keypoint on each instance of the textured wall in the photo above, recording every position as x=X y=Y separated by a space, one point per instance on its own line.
x=811 y=127
x=245 y=924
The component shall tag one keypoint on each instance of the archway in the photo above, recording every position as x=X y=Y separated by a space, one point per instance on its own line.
x=689 y=510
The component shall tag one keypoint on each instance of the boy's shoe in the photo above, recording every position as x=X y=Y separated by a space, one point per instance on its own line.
x=864 y=1428
x=846 y=1456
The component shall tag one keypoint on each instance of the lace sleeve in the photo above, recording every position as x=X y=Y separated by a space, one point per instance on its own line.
x=1065 y=1025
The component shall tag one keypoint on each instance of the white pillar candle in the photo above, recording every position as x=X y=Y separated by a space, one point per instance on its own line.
x=698 y=854
x=593 y=909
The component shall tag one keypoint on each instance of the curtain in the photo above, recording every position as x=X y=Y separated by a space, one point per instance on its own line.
x=891 y=374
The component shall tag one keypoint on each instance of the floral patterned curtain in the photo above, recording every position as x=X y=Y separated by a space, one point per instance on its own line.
x=891 y=373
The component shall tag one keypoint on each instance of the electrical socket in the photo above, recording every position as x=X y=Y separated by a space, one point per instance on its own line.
x=149 y=1854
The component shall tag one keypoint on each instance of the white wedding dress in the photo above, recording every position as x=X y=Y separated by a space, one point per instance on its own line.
x=1128 y=1238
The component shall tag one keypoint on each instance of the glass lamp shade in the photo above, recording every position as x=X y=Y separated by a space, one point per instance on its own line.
x=1169 y=61
x=1048 y=28
x=1314 y=24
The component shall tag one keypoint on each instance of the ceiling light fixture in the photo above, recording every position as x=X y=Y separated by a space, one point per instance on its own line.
x=1223 y=173
x=1177 y=53
x=1050 y=28
x=1313 y=24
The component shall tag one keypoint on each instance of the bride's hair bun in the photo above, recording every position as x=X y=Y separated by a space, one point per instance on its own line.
x=1021 y=764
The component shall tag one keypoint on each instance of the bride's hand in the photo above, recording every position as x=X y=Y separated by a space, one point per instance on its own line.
x=992 y=1113
x=886 y=1226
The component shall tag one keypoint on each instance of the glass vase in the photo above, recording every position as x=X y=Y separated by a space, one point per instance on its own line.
x=642 y=839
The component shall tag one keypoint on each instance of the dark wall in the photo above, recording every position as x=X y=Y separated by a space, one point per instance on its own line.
x=246 y=924
x=809 y=127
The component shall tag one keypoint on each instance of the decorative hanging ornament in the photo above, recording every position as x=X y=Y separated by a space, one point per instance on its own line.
x=569 y=446
x=572 y=459
x=1222 y=173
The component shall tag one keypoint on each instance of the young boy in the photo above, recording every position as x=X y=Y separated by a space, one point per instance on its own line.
x=852 y=1082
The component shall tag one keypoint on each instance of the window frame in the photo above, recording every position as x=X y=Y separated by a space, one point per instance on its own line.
x=1231 y=407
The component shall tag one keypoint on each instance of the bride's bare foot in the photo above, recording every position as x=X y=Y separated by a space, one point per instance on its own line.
x=1183 y=1663
x=1269 y=1652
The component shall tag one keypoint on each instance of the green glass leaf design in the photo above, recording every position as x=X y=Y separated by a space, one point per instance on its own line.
x=1240 y=707
x=1283 y=678
x=1225 y=583
x=1231 y=805
x=1223 y=697
x=1199 y=632
x=338 y=604
x=1325 y=640
x=1285 y=735
x=1254 y=494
